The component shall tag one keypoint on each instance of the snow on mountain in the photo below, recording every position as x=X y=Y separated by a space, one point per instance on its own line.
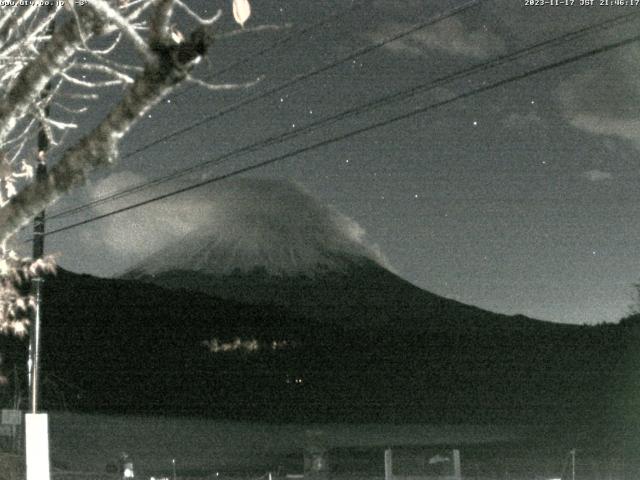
x=268 y=224
x=267 y=242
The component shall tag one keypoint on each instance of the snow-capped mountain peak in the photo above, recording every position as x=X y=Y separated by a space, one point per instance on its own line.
x=266 y=224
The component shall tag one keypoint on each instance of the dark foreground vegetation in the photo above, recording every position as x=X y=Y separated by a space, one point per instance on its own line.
x=125 y=346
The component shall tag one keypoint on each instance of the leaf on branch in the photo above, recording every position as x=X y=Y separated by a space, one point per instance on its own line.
x=42 y=265
x=19 y=329
x=176 y=35
x=241 y=11
x=21 y=303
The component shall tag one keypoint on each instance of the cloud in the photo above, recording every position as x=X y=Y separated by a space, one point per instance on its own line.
x=246 y=221
x=448 y=36
x=273 y=224
x=597 y=175
x=605 y=100
x=128 y=237
x=625 y=128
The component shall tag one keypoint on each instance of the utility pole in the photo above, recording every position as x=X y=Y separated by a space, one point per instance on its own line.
x=37 y=424
x=573 y=464
x=38 y=250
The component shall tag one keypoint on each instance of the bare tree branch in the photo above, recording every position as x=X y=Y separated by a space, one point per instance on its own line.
x=39 y=68
x=198 y=18
x=223 y=86
x=104 y=70
x=14 y=19
x=113 y=16
x=100 y=147
x=33 y=78
x=31 y=39
x=160 y=22
x=91 y=84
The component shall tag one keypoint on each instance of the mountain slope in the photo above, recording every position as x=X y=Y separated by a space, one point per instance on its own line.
x=359 y=295
x=271 y=224
x=131 y=347
x=301 y=321
x=267 y=242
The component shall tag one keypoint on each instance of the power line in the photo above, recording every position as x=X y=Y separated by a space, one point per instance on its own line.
x=305 y=76
x=476 y=91
x=385 y=100
x=281 y=41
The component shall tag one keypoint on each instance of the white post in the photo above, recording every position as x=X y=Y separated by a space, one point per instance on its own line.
x=388 y=464
x=457 y=471
x=37 y=446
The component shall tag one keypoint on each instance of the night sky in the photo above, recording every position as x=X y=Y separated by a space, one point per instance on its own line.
x=521 y=199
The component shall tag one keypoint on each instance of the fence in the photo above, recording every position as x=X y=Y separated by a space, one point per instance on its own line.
x=441 y=467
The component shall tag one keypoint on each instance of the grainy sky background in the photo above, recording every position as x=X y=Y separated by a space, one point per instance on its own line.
x=522 y=199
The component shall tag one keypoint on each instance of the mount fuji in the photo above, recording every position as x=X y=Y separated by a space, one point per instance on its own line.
x=272 y=225
x=269 y=267
x=367 y=340
x=268 y=242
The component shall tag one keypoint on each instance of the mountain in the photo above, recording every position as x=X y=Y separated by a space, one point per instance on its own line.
x=361 y=294
x=267 y=242
x=125 y=346
x=271 y=224
x=370 y=342
x=277 y=309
